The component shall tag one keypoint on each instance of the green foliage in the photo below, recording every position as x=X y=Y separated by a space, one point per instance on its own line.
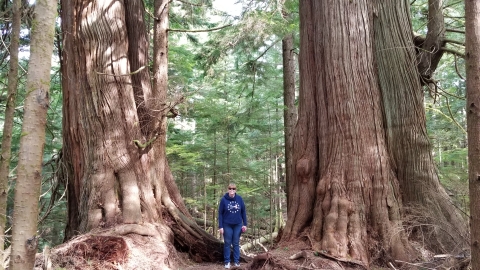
x=233 y=119
x=230 y=128
x=446 y=125
x=450 y=153
x=52 y=191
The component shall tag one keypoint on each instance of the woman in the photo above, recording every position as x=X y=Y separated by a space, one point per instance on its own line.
x=232 y=221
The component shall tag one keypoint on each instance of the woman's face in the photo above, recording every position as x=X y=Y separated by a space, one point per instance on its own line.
x=232 y=190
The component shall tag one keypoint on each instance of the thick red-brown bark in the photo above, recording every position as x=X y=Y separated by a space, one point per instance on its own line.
x=472 y=17
x=355 y=156
x=405 y=125
x=345 y=195
x=115 y=126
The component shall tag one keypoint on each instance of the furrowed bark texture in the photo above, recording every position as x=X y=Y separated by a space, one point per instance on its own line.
x=115 y=125
x=345 y=194
x=290 y=112
x=405 y=119
x=472 y=27
x=361 y=146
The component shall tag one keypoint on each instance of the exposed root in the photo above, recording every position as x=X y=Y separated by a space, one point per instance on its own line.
x=267 y=261
x=343 y=260
x=88 y=252
x=108 y=251
x=103 y=248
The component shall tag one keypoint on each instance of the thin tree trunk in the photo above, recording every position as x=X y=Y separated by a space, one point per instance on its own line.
x=27 y=189
x=214 y=183
x=6 y=148
x=160 y=108
x=431 y=50
x=290 y=112
x=472 y=49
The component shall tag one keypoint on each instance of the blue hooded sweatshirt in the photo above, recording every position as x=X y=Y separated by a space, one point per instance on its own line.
x=231 y=211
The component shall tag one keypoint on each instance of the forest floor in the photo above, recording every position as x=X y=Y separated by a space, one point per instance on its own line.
x=275 y=259
x=281 y=259
x=136 y=252
x=298 y=256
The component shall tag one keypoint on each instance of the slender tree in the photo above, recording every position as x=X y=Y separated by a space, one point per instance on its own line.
x=290 y=111
x=28 y=184
x=472 y=43
x=430 y=48
x=8 y=122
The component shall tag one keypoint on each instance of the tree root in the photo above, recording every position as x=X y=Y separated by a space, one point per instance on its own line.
x=125 y=229
x=267 y=261
x=343 y=260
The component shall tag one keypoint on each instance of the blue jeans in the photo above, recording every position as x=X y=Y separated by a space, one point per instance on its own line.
x=231 y=236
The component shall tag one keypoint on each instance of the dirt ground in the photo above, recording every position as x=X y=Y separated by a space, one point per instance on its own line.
x=279 y=258
x=297 y=256
x=272 y=261
x=135 y=252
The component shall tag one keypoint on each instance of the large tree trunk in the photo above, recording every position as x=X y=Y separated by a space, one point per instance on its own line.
x=345 y=194
x=360 y=142
x=407 y=137
x=29 y=177
x=115 y=125
x=472 y=49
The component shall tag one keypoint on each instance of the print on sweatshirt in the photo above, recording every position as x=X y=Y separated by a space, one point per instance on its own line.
x=233 y=207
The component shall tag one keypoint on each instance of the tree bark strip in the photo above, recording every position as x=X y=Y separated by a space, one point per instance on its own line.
x=472 y=27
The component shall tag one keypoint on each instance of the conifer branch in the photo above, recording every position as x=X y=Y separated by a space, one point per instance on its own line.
x=199 y=30
x=121 y=75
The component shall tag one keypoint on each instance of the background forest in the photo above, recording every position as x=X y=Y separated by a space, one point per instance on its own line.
x=226 y=67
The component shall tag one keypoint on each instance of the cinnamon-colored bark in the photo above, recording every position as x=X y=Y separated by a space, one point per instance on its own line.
x=472 y=27
x=115 y=124
x=360 y=136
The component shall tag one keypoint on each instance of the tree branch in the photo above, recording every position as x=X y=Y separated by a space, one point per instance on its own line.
x=454 y=52
x=264 y=52
x=189 y=3
x=199 y=30
x=144 y=145
x=455 y=30
x=456 y=68
x=455 y=41
x=429 y=57
x=121 y=75
x=452 y=117
x=162 y=7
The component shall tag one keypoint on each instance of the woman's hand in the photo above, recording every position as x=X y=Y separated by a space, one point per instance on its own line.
x=220 y=230
x=244 y=228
